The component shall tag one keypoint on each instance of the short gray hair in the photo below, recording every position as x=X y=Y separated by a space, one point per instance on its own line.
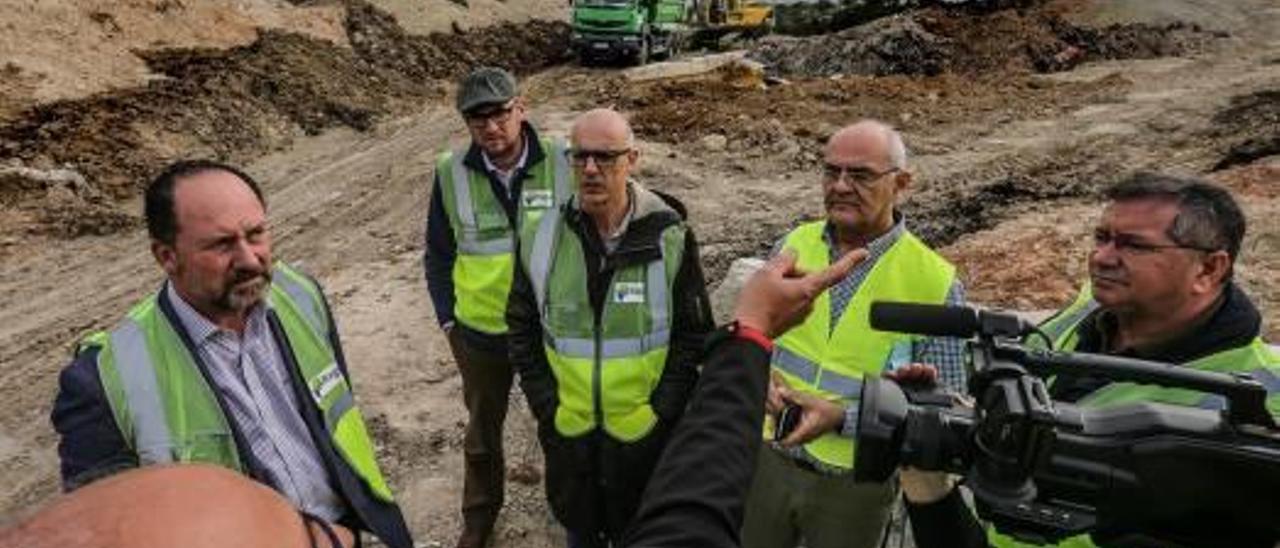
x=603 y=112
x=895 y=148
x=1208 y=218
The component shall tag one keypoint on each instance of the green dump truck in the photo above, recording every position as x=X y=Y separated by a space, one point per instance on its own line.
x=633 y=30
x=637 y=30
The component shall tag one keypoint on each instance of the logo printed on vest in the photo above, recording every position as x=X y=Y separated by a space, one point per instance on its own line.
x=628 y=292
x=329 y=379
x=536 y=199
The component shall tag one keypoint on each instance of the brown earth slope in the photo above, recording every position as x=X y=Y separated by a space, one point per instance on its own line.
x=239 y=102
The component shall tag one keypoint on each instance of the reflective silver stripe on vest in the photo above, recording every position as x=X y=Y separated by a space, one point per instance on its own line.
x=340 y=407
x=304 y=299
x=462 y=194
x=794 y=364
x=813 y=374
x=1212 y=402
x=656 y=282
x=1057 y=328
x=575 y=347
x=836 y=383
x=468 y=240
x=561 y=176
x=152 y=439
x=472 y=246
x=544 y=247
x=543 y=252
x=1267 y=378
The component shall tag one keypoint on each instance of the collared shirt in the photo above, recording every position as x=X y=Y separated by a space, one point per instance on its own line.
x=614 y=238
x=249 y=373
x=504 y=176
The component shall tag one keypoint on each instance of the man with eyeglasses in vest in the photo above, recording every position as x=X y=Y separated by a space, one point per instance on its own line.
x=234 y=362
x=803 y=490
x=506 y=178
x=1160 y=288
x=608 y=314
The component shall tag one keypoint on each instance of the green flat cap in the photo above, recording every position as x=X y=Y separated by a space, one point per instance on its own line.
x=486 y=86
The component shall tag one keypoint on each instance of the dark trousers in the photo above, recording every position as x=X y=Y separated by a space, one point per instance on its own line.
x=486 y=387
x=788 y=503
x=583 y=540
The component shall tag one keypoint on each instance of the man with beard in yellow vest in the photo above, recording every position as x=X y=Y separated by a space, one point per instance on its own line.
x=608 y=314
x=1160 y=288
x=483 y=194
x=803 y=488
x=235 y=362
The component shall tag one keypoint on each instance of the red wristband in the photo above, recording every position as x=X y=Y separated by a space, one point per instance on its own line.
x=748 y=333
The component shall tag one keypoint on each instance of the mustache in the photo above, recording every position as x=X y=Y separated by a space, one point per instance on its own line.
x=1108 y=274
x=244 y=275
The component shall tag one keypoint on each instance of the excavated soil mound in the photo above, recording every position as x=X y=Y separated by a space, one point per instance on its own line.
x=1251 y=126
x=932 y=41
x=925 y=71
x=802 y=115
x=238 y=103
x=377 y=38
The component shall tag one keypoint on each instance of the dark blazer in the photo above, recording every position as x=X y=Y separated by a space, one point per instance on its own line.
x=91 y=445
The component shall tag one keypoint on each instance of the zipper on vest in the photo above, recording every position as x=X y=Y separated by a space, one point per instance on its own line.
x=597 y=366
x=598 y=407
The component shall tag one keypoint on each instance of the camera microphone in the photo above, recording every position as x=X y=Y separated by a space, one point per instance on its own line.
x=946 y=320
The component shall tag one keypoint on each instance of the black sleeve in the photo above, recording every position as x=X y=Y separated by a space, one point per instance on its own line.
x=439 y=255
x=524 y=332
x=699 y=488
x=90 y=445
x=947 y=523
x=690 y=325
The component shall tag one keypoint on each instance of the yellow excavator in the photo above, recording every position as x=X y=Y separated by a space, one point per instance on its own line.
x=722 y=22
x=746 y=18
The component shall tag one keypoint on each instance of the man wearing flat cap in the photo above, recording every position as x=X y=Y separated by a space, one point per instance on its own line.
x=505 y=179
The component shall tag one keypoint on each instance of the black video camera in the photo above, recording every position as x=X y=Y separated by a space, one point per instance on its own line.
x=1148 y=474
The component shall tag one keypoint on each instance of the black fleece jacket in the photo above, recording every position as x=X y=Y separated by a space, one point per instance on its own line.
x=699 y=489
x=594 y=482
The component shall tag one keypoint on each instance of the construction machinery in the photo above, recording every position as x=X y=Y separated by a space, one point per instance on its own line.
x=639 y=30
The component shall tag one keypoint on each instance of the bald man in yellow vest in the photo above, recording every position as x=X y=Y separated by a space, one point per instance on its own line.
x=803 y=487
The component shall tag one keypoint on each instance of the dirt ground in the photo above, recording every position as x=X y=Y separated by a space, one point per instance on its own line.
x=1009 y=157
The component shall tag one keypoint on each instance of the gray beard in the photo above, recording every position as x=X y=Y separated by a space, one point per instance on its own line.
x=239 y=302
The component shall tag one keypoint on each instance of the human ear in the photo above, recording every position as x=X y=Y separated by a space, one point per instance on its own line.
x=1215 y=268
x=166 y=256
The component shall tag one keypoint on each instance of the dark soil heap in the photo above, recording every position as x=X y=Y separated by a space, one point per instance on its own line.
x=936 y=40
x=927 y=69
x=239 y=103
x=1252 y=125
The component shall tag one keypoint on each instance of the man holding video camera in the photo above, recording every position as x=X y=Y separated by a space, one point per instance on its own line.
x=1161 y=290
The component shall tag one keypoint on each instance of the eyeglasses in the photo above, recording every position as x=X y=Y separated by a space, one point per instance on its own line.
x=603 y=158
x=1129 y=246
x=481 y=119
x=860 y=176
